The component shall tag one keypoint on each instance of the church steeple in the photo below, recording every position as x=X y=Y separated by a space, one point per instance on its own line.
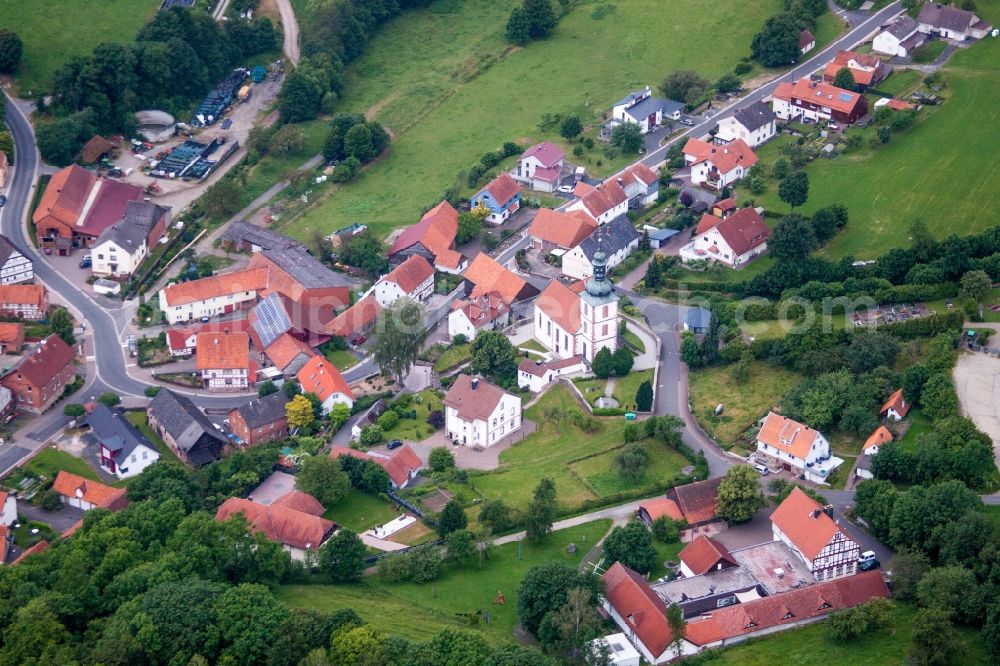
x=599 y=285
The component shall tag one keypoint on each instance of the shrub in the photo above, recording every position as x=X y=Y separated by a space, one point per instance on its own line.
x=388 y=420
x=371 y=435
x=441 y=459
x=666 y=530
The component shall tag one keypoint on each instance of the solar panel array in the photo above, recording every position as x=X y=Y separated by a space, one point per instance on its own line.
x=272 y=320
x=844 y=97
x=167 y=4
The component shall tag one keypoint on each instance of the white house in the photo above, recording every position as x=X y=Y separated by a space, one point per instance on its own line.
x=413 y=278
x=718 y=166
x=807 y=42
x=617 y=649
x=876 y=440
x=735 y=239
x=123 y=450
x=752 y=124
x=604 y=203
x=540 y=167
x=85 y=494
x=646 y=111
x=803 y=524
x=478 y=413
x=900 y=38
x=322 y=378
x=950 y=22
x=483 y=312
x=794 y=447
x=211 y=296
x=14 y=266
x=8 y=509
x=616 y=241
x=536 y=375
x=896 y=407
x=122 y=247
x=579 y=321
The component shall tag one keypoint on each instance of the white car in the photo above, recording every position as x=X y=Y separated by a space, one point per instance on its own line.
x=761 y=469
x=686 y=121
x=565 y=189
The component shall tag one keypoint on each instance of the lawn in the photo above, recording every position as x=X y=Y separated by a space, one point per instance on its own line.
x=462 y=90
x=634 y=340
x=341 y=358
x=415 y=430
x=533 y=344
x=452 y=357
x=743 y=403
x=901 y=82
x=360 y=511
x=141 y=421
x=919 y=425
x=599 y=471
x=809 y=646
x=929 y=52
x=50 y=461
x=991 y=298
x=417 y=611
x=627 y=386
x=559 y=450
x=24 y=538
x=927 y=172
x=53 y=31
x=665 y=552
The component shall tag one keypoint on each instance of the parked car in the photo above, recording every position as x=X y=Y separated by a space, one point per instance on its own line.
x=86 y=261
x=565 y=189
x=3 y=200
x=394 y=444
x=762 y=469
x=867 y=561
x=358 y=341
x=687 y=121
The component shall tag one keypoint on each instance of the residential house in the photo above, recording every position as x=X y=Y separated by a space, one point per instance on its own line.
x=535 y=375
x=433 y=238
x=753 y=124
x=85 y=494
x=478 y=413
x=288 y=354
x=950 y=22
x=485 y=276
x=15 y=267
x=803 y=524
x=211 y=296
x=501 y=197
x=11 y=337
x=540 y=167
x=604 y=203
x=900 y=38
x=641 y=185
x=813 y=101
x=718 y=166
x=703 y=555
x=24 y=301
x=479 y=313
x=322 y=378
x=241 y=236
x=402 y=465
x=185 y=428
x=223 y=359
x=260 y=420
x=698 y=505
x=77 y=207
x=414 y=278
x=7 y=403
x=123 y=450
x=880 y=437
x=866 y=69
x=651 y=509
x=122 y=247
x=786 y=444
x=39 y=378
x=646 y=111
x=558 y=232
x=698 y=320
x=735 y=239
x=8 y=509
x=295 y=520
x=276 y=316
x=807 y=42
x=615 y=241
x=357 y=320
x=579 y=321
x=896 y=407
x=616 y=648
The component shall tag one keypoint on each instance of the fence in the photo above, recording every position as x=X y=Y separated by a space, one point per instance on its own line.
x=372 y=559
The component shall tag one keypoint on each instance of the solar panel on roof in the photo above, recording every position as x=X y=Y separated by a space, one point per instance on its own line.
x=844 y=97
x=272 y=320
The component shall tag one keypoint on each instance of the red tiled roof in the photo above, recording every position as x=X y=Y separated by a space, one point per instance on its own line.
x=563 y=229
x=547 y=153
x=662 y=506
x=65 y=195
x=641 y=173
x=435 y=231
x=11 y=332
x=411 y=273
x=178 y=338
x=503 y=188
x=47 y=360
x=356 y=317
x=787 y=435
x=702 y=554
x=301 y=501
x=181 y=293
x=582 y=189
x=698 y=500
x=900 y=105
x=639 y=606
x=897 y=403
x=724 y=158
x=4 y=533
x=488 y=276
x=560 y=304
x=98 y=494
x=817 y=92
x=336 y=451
x=279 y=522
x=39 y=547
x=108 y=205
x=321 y=377
x=878 y=438
x=863 y=77
x=285 y=349
x=222 y=351
x=743 y=230
x=805 y=39
x=604 y=197
x=473 y=404
x=483 y=309
x=23 y=294
x=94 y=148
x=403 y=462
x=803 y=521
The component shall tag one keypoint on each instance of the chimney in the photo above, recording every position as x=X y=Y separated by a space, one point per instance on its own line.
x=475 y=383
x=828 y=510
x=815 y=513
x=621 y=183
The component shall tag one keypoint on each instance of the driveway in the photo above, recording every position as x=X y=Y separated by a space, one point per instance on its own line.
x=977 y=381
x=59 y=521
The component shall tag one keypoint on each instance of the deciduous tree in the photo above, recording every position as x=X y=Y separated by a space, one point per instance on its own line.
x=343 y=557
x=322 y=477
x=632 y=545
x=62 y=325
x=493 y=355
x=627 y=137
x=739 y=494
x=794 y=190
x=570 y=127
x=777 y=43
x=632 y=461
x=975 y=284
x=441 y=459
x=541 y=511
x=400 y=330
x=934 y=641
x=685 y=86
x=11 y=50
x=544 y=589
x=300 y=412
x=844 y=79
x=452 y=518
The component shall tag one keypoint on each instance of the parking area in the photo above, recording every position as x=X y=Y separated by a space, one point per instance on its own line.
x=887 y=314
x=273 y=487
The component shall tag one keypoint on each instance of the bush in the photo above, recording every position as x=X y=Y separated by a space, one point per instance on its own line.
x=50 y=500
x=388 y=420
x=74 y=410
x=371 y=435
x=441 y=459
x=855 y=622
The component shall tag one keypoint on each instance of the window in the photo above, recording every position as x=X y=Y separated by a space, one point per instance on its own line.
x=494 y=422
x=604 y=329
x=133 y=458
x=605 y=311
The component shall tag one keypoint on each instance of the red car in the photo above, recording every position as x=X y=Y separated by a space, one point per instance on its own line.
x=358 y=341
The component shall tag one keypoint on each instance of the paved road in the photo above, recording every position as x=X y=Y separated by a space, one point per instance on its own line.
x=290 y=27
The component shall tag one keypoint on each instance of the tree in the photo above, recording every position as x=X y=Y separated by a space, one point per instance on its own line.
x=452 y=518
x=690 y=353
x=289 y=139
x=574 y=624
x=728 y=83
x=322 y=477
x=975 y=284
x=541 y=18
x=794 y=190
x=934 y=640
x=266 y=389
x=248 y=618
x=62 y=325
x=844 y=79
x=632 y=545
x=358 y=143
x=627 y=137
x=300 y=412
x=493 y=355
x=460 y=545
x=109 y=399
x=358 y=646
x=497 y=515
x=859 y=621
x=74 y=410
x=644 y=397
x=517 y=26
x=953 y=589
x=604 y=363
x=792 y=239
x=622 y=361
x=11 y=50
x=739 y=494
x=541 y=511
x=665 y=530
x=685 y=86
x=469 y=228
x=571 y=127
x=875 y=501
x=300 y=97
x=343 y=557
x=545 y=588
x=366 y=252
x=908 y=567
x=777 y=43
x=339 y=414
x=436 y=419
x=938 y=397
x=401 y=332
x=678 y=626
x=371 y=435
x=632 y=461
x=441 y=459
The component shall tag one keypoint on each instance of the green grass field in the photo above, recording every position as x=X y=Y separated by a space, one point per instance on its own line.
x=417 y=611
x=744 y=403
x=50 y=461
x=600 y=474
x=929 y=172
x=919 y=425
x=901 y=82
x=626 y=387
x=558 y=450
x=462 y=90
x=360 y=511
x=929 y=52
x=53 y=31
x=453 y=356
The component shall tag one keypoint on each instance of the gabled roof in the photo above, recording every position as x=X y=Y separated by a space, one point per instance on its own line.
x=561 y=305
x=321 y=377
x=66 y=195
x=703 y=554
x=698 y=501
x=754 y=116
x=98 y=494
x=280 y=523
x=803 y=521
x=356 y=317
x=563 y=229
x=604 y=197
x=39 y=547
x=488 y=276
x=222 y=351
x=182 y=293
x=639 y=606
x=484 y=309
x=23 y=294
x=724 y=158
x=614 y=236
x=698 y=317
x=264 y=411
x=662 y=506
x=411 y=273
x=183 y=421
x=436 y=231
x=819 y=93
x=7 y=248
x=946 y=17
x=286 y=349
x=403 y=462
x=805 y=39
x=881 y=436
x=473 y=401
x=94 y=148
x=50 y=357
x=902 y=27
x=245 y=232
x=117 y=433
x=503 y=188
x=549 y=154
x=743 y=230
x=787 y=435
x=300 y=501
x=11 y=332
x=293 y=269
x=897 y=403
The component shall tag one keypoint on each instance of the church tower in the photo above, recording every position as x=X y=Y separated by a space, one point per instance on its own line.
x=598 y=311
